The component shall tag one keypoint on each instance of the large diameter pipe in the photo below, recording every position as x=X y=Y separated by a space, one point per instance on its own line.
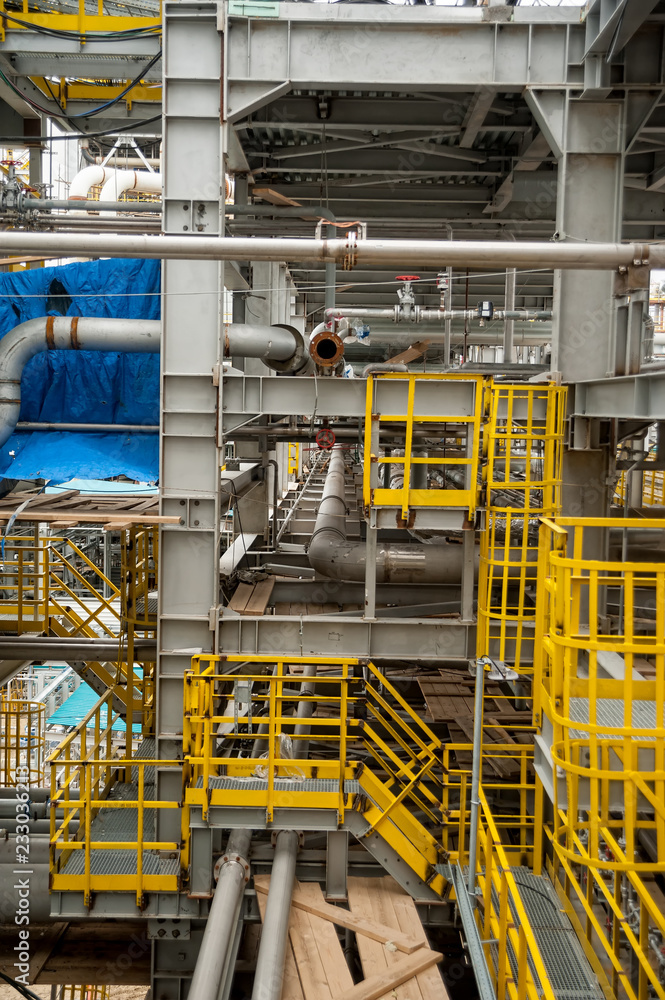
x=269 y=976
x=436 y=253
x=220 y=930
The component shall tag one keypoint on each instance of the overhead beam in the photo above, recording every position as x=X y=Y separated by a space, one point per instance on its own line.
x=478 y=109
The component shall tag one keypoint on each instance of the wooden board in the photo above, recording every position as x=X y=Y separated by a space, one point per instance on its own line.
x=258 y=602
x=71 y=506
x=241 y=596
x=382 y=900
x=321 y=969
x=316 y=905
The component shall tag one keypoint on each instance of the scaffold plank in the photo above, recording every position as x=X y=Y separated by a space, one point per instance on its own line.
x=383 y=901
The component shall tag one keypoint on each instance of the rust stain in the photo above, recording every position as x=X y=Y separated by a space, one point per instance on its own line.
x=73 y=334
x=50 y=336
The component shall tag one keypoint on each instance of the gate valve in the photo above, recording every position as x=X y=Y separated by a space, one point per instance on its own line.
x=325 y=438
x=405 y=296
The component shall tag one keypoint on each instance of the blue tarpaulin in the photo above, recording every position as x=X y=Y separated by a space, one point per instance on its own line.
x=84 y=386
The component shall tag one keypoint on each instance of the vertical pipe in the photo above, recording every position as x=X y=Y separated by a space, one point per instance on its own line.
x=269 y=976
x=370 y=571
x=305 y=711
x=475 y=774
x=509 y=324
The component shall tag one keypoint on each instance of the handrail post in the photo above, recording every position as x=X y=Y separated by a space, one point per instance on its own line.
x=475 y=775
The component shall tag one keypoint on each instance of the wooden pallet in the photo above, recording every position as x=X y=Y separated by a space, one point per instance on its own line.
x=315 y=966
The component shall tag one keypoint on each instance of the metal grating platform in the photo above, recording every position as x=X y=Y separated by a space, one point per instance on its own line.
x=351 y=787
x=609 y=713
x=569 y=973
x=118 y=825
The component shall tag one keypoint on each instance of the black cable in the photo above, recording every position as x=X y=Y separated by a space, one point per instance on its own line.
x=118 y=36
x=19 y=987
x=84 y=114
x=549 y=899
x=26 y=140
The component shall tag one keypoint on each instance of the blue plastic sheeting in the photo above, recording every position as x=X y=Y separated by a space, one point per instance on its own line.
x=74 y=710
x=99 y=486
x=84 y=386
x=60 y=455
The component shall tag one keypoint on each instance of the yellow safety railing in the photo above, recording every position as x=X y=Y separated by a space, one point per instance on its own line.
x=599 y=693
x=22 y=743
x=522 y=462
x=448 y=407
x=381 y=743
x=139 y=568
x=84 y=773
x=83 y=993
x=22 y=18
x=503 y=919
x=522 y=832
x=653 y=488
x=293 y=459
x=38 y=572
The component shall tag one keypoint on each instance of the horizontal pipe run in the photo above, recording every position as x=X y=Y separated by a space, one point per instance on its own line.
x=89 y=650
x=492 y=255
x=420 y=315
x=48 y=204
x=36 y=425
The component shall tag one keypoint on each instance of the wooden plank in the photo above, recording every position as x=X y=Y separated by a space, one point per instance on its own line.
x=411 y=353
x=258 y=601
x=291 y=988
x=368 y=901
x=429 y=981
x=241 y=596
x=388 y=981
x=343 y=918
x=90 y=517
x=45 y=945
x=337 y=972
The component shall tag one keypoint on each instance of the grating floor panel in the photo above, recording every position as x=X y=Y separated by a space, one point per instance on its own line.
x=609 y=713
x=120 y=863
x=252 y=784
x=569 y=974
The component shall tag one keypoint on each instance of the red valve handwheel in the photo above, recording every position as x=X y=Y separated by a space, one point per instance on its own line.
x=407 y=277
x=325 y=438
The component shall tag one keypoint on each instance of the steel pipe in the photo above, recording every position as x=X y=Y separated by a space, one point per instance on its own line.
x=437 y=253
x=421 y=315
x=36 y=425
x=269 y=976
x=48 y=204
x=220 y=930
x=71 y=651
x=330 y=554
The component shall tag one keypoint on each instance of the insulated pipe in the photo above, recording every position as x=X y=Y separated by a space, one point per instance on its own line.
x=305 y=711
x=437 y=253
x=220 y=930
x=269 y=975
x=119 y=181
x=330 y=554
x=63 y=333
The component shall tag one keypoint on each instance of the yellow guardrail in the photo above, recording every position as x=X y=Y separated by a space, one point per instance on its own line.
x=83 y=774
x=522 y=462
x=459 y=433
x=36 y=572
x=503 y=919
x=599 y=620
x=381 y=743
x=22 y=742
x=653 y=488
x=22 y=18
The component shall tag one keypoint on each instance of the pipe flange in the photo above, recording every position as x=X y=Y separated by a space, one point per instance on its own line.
x=326 y=349
x=275 y=834
x=298 y=359
x=231 y=859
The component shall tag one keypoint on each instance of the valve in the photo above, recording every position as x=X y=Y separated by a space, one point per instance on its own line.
x=325 y=438
x=405 y=309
